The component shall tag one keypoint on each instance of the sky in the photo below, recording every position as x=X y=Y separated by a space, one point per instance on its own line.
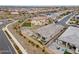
x=39 y=2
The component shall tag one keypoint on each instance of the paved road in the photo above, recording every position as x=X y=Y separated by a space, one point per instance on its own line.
x=65 y=19
x=5 y=46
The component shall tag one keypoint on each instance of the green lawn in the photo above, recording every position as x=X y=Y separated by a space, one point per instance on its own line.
x=27 y=24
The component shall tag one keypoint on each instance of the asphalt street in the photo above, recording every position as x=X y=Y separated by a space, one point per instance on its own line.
x=5 y=46
x=65 y=19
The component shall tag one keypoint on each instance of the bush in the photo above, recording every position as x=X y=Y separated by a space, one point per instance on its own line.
x=66 y=52
x=37 y=46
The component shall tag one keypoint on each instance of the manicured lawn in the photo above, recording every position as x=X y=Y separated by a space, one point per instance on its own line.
x=27 y=24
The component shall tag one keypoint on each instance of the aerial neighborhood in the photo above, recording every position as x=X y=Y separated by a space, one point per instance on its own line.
x=39 y=30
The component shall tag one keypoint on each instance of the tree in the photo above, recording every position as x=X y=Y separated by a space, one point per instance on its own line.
x=37 y=46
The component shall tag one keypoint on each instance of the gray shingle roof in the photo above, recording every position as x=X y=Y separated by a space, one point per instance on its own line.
x=49 y=31
x=71 y=35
